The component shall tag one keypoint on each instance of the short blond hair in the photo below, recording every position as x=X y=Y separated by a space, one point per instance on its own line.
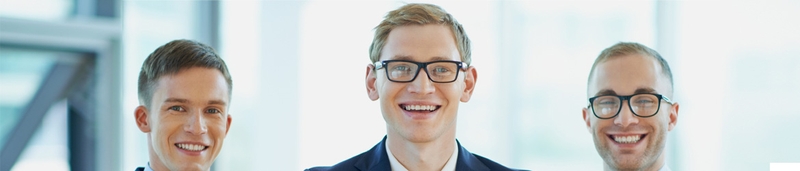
x=630 y=48
x=419 y=14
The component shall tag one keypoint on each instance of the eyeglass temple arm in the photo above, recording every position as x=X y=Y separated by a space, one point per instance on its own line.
x=666 y=99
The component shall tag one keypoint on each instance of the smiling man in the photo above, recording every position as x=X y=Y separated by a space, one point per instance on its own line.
x=184 y=93
x=630 y=111
x=420 y=72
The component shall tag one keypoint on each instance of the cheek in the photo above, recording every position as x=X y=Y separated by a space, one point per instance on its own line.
x=387 y=89
x=166 y=127
x=218 y=126
x=661 y=120
x=663 y=123
x=161 y=134
x=598 y=124
x=451 y=91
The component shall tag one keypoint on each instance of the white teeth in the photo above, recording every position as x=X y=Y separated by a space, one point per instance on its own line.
x=627 y=139
x=191 y=147
x=420 y=107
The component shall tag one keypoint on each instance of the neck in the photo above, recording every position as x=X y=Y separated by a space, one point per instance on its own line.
x=428 y=155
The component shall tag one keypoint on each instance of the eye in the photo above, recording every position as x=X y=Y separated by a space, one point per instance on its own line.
x=401 y=68
x=177 y=108
x=213 y=111
x=608 y=102
x=644 y=101
x=441 y=70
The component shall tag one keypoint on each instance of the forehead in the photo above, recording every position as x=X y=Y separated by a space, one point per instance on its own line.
x=421 y=43
x=625 y=74
x=195 y=84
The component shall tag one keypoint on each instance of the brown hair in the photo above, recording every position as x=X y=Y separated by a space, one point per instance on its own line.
x=419 y=14
x=173 y=57
x=628 y=48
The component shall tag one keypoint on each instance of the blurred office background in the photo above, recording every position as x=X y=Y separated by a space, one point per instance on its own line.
x=68 y=72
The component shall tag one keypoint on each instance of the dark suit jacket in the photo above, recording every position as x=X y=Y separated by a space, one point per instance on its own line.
x=376 y=159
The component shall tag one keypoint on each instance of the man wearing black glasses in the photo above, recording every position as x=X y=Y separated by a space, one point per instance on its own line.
x=630 y=111
x=420 y=72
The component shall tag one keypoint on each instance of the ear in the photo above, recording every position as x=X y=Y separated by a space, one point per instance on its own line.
x=470 y=78
x=586 y=118
x=372 y=90
x=673 y=115
x=228 y=126
x=140 y=115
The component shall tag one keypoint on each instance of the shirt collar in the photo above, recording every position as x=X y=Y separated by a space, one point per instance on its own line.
x=396 y=166
x=451 y=163
x=147 y=167
x=664 y=168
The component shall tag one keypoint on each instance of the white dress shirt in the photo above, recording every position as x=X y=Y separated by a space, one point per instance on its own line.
x=449 y=166
x=664 y=168
x=147 y=167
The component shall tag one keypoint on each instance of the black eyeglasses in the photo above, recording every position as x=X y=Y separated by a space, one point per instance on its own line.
x=642 y=105
x=404 y=71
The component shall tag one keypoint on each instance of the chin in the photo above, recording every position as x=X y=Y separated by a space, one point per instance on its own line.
x=422 y=134
x=194 y=168
x=628 y=163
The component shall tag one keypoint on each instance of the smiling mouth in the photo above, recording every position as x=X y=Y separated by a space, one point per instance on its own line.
x=627 y=139
x=420 y=108
x=191 y=147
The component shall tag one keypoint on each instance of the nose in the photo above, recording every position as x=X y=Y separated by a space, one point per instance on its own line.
x=195 y=123
x=422 y=84
x=626 y=117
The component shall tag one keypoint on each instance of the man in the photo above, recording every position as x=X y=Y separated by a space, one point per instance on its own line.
x=184 y=93
x=630 y=111
x=420 y=72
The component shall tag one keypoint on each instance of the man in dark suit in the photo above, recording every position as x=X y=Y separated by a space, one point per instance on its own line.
x=420 y=71
x=184 y=94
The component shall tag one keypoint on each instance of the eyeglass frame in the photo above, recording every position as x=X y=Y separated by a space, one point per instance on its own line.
x=420 y=65
x=628 y=98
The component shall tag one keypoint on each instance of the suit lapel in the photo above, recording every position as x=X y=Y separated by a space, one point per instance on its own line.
x=375 y=159
x=467 y=161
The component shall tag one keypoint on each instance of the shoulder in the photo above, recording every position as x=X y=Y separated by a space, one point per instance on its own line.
x=346 y=165
x=319 y=168
x=472 y=161
x=373 y=159
x=493 y=165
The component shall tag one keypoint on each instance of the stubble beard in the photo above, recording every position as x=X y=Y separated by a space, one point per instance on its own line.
x=653 y=150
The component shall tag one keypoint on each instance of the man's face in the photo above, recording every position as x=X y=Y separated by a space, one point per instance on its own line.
x=187 y=120
x=628 y=75
x=421 y=110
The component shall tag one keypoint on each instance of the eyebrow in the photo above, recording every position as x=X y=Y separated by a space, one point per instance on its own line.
x=606 y=92
x=216 y=102
x=638 y=91
x=176 y=100
x=644 y=90
x=210 y=102
x=408 y=58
